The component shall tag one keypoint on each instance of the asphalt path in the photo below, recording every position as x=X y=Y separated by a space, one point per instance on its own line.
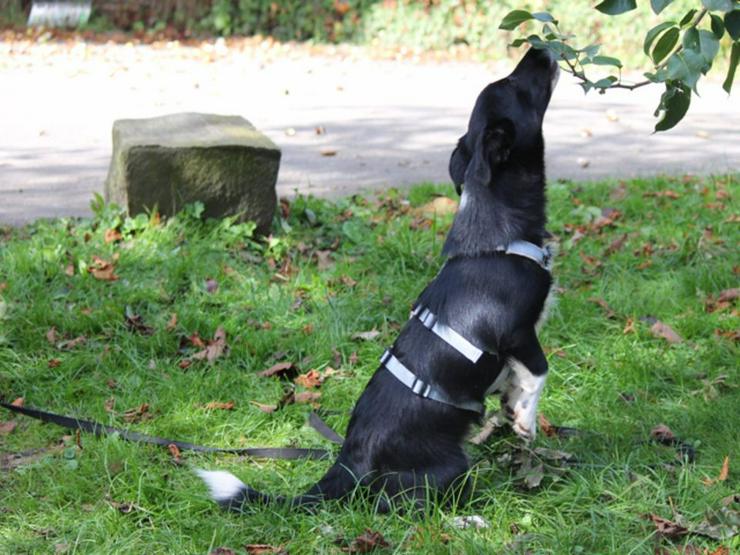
x=345 y=123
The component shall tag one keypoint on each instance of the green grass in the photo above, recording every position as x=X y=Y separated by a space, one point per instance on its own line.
x=615 y=385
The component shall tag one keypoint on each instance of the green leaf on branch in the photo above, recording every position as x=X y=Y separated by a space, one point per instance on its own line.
x=544 y=17
x=686 y=67
x=732 y=24
x=718 y=5
x=517 y=43
x=616 y=7
x=665 y=45
x=605 y=83
x=687 y=18
x=653 y=33
x=691 y=39
x=659 y=5
x=674 y=103
x=718 y=28
x=734 y=58
x=708 y=47
x=606 y=61
x=515 y=18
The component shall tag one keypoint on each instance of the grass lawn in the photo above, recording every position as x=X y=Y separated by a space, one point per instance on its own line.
x=131 y=352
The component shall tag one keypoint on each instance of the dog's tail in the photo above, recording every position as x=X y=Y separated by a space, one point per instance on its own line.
x=233 y=494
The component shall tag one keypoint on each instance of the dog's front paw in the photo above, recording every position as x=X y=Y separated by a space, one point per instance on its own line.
x=520 y=409
x=525 y=429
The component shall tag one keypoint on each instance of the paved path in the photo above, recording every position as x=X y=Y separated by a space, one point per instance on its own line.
x=391 y=123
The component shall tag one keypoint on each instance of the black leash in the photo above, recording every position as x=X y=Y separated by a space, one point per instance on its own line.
x=287 y=453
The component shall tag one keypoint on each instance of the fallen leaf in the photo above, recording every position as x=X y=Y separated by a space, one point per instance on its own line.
x=135 y=323
x=723 y=473
x=18 y=402
x=211 y=285
x=667 y=528
x=54 y=363
x=219 y=405
x=324 y=259
x=366 y=542
x=533 y=476
x=196 y=340
x=310 y=379
x=7 y=427
x=616 y=245
x=137 y=414
x=263 y=407
x=102 y=269
x=328 y=152
x=184 y=363
x=214 y=349
x=721 y=550
x=662 y=433
x=366 y=335
x=304 y=397
x=175 y=452
x=72 y=343
x=172 y=323
x=664 y=331
x=264 y=549
x=547 y=428
x=603 y=304
x=52 y=336
x=439 y=206
x=629 y=326
x=283 y=370
x=348 y=281
x=109 y=404
x=112 y=235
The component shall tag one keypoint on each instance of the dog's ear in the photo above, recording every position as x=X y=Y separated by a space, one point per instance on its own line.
x=492 y=148
x=459 y=163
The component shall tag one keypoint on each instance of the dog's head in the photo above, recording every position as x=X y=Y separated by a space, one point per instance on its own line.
x=506 y=121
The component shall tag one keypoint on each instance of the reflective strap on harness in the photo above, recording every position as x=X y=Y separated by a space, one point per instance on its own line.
x=447 y=334
x=540 y=255
x=423 y=389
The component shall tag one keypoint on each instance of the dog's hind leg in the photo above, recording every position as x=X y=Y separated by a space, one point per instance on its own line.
x=527 y=380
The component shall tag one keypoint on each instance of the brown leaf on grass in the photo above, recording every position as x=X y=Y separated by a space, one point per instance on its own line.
x=175 y=452
x=732 y=335
x=135 y=323
x=54 y=363
x=439 y=206
x=69 y=269
x=172 y=322
x=214 y=349
x=723 y=301
x=721 y=550
x=263 y=407
x=323 y=259
x=184 y=363
x=607 y=218
x=629 y=326
x=305 y=397
x=7 y=427
x=137 y=414
x=366 y=542
x=616 y=245
x=282 y=370
x=366 y=335
x=264 y=549
x=609 y=313
x=52 y=336
x=102 y=269
x=724 y=472
x=547 y=428
x=666 y=528
x=219 y=405
x=667 y=193
x=664 y=331
x=109 y=404
x=310 y=379
x=211 y=285
x=348 y=281
x=124 y=508
x=662 y=433
x=223 y=551
x=111 y=236
x=71 y=343
x=196 y=341
x=18 y=402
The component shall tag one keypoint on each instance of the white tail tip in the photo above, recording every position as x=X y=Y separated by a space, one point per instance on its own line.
x=223 y=485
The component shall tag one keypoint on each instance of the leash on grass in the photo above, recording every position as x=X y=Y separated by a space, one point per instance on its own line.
x=98 y=429
x=685 y=450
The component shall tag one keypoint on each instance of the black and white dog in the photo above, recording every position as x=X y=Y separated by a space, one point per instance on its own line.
x=472 y=331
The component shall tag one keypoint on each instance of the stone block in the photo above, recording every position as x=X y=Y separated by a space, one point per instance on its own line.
x=173 y=160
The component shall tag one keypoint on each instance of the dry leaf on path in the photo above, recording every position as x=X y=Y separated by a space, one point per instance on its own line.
x=283 y=370
x=214 y=349
x=724 y=473
x=102 y=269
x=219 y=405
x=667 y=528
x=366 y=542
x=547 y=428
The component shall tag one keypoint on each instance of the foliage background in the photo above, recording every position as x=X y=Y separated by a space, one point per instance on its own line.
x=412 y=24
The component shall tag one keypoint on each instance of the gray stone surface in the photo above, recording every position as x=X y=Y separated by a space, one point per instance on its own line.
x=169 y=161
